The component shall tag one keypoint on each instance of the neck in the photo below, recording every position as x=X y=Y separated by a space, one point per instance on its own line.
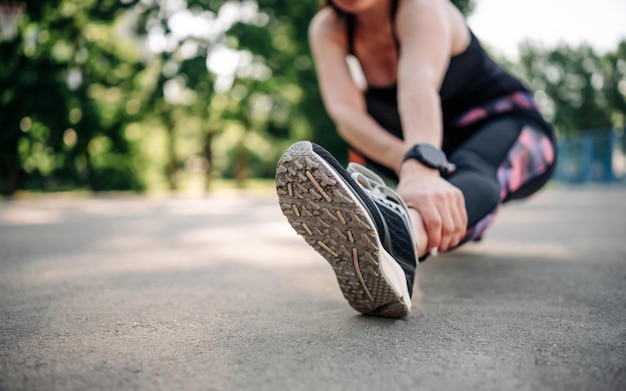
x=375 y=17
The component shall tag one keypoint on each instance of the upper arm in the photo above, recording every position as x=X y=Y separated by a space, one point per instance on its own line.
x=425 y=33
x=329 y=48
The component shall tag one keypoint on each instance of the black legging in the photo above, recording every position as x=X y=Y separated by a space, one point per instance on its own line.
x=510 y=156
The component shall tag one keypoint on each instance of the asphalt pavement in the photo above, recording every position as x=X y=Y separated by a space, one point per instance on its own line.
x=218 y=293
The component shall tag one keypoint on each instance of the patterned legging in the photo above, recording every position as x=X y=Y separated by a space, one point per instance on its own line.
x=526 y=167
x=501 y=153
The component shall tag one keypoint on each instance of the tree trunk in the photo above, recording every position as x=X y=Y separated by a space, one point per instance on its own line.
x=9 y=171
x=208 y=156
x=241 y=165
x=82 y=148
x=172 y=162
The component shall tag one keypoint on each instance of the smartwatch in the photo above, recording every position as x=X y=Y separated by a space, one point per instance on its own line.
x=432 y=157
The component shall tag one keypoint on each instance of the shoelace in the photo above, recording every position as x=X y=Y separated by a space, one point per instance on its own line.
x=374 y=185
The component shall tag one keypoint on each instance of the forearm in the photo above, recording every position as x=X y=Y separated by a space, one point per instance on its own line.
x=364 y=134
x=420 y=113
x=422 y=68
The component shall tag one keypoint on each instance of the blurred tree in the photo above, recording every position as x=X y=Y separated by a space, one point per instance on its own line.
x=281 y=45
x=203 y=73
x=466 y=6
x=76 y=83
x=576 y=88
x=614 y=84
x=96 y=94
x=28 y=78
x=62 y=84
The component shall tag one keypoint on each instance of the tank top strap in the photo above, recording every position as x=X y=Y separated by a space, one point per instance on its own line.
x=350 y=22
x=394 y=11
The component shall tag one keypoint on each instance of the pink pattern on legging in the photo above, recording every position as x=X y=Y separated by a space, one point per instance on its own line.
x=521 y=100
x=531 y=155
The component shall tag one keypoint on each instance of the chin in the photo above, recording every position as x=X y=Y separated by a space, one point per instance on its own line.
x=354 y=6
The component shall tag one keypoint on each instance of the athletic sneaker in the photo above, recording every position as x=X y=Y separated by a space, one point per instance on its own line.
x=356 y=222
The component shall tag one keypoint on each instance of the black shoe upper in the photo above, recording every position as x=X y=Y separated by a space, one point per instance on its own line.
x=394 y=235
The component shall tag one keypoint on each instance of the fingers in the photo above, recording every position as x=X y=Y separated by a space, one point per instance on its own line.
x=461 y=222
x=448 y=229
x=445 y=219
x=441 y=207
x=433 y=224
x=458 y=215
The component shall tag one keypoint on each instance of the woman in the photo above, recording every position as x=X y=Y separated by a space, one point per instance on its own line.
x=459 y=133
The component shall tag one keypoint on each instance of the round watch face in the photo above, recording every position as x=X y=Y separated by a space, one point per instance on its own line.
x=431 y=156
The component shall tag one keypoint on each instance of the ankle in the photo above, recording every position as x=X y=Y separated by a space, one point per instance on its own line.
x=420 y=232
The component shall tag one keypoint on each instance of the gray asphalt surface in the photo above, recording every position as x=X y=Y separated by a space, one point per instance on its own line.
x=219 y=293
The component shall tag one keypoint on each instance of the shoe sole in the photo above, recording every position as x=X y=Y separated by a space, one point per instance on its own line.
x=321 y=208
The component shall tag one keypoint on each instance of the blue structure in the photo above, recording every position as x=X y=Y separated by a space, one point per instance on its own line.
x=594 y=156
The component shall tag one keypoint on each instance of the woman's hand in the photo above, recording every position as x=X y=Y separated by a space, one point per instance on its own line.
x=440 y=204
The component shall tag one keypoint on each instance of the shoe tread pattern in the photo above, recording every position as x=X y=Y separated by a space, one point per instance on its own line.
x=326 y=216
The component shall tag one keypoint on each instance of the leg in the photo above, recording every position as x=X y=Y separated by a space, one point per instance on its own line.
x=509 y=158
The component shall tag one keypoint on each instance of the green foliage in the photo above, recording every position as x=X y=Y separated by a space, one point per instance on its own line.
x=613 y=69
x=155 y=94
x=63 y=86
x=577 y=88
x=466 y=6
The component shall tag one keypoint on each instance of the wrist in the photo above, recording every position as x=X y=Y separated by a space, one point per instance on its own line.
x=412 y=167
x=431 y=157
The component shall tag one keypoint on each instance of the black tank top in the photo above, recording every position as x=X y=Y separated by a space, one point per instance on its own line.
x=471 y=80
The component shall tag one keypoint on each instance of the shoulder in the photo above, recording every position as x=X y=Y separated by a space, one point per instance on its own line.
x=440 y=10
x=436 y=19
x=327 y=26
x=409 y=6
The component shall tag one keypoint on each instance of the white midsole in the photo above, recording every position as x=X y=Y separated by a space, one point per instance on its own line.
x=394 y=275
x=391 y=270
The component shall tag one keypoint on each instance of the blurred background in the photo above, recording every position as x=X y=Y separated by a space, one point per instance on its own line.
x=194 y=95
